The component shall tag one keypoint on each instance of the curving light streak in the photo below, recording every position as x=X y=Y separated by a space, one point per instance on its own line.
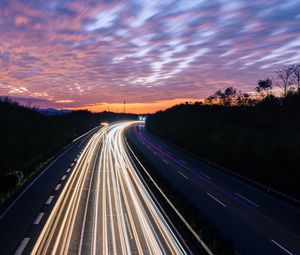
x=124 y=220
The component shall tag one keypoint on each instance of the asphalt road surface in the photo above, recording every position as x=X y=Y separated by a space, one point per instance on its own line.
x=255 y=221
x=101 y=206
x=20 y=214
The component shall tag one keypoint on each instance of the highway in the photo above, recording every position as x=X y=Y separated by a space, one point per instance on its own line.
x=255 y=221
x=105 y=207
x=20 y=214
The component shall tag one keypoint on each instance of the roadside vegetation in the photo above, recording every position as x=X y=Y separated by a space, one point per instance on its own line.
x=30 y=139
x=256 y=135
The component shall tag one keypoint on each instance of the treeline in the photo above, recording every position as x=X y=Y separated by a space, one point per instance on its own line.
x=287 y=78
x=29 y=138
x=255 y=136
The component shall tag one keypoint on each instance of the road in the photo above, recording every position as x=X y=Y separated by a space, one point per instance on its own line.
x=20 y=214
x=105 y=207
x=255 y=221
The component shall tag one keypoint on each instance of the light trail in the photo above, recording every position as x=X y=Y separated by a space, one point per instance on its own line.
x=105 y=207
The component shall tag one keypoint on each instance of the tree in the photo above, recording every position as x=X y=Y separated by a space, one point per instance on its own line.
x=243 y=98
x=210 y=100
x=264 y=87
x=229 y=95
x=296 y=76
x=226 y=97
x=285 y=75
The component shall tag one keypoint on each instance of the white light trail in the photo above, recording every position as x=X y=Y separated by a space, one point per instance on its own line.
x=119 y=215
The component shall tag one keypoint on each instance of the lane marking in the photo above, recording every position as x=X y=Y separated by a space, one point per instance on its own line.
x=172 y=206
x=155 y=153
x=183 y=175
x=57 y=186
x=165 y=162
x=28 y=187
x=68 y=170
x=72 y=164
x=216 y=199
x=38 y=218
x=49 y=200
x=208 y=177
x=22 y=246
x=182 y=162
x=63 y=178
x=169 y=153
x=249 y=201
x=75 y=159
x=280 y=246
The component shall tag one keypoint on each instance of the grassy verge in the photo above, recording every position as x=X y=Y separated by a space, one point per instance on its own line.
x=5 y=196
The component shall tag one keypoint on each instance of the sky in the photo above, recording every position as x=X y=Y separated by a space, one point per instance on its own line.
x=88 y=54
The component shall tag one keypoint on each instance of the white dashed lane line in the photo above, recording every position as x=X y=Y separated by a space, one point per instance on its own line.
x=68 y=170
x=208 y=177
x=182 y=162
x=57 y=186
x=63 y=178
x=165 y=162
x=246 y=199
x=49 y=200
x=22 y=246
x=183 y=175
x=38 y=218
x=217 y=200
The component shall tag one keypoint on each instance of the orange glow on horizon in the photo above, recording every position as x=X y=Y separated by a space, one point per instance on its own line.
x=138 y=108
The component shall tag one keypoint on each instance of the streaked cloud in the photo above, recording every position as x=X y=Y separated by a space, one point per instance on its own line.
x=78 y=53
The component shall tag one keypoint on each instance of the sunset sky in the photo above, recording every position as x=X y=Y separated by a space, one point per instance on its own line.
x=96 y=54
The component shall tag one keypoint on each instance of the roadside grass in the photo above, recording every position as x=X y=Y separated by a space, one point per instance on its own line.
x=6 y=196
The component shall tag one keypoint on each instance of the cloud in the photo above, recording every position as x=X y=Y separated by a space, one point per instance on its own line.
x=74 y=53
x=64 y=101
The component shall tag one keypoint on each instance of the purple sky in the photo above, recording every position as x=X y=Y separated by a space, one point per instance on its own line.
x=88 y=53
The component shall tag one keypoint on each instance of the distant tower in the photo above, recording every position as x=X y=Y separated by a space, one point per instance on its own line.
x=124 y=107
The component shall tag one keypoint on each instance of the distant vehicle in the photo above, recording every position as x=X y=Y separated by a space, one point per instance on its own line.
x=142 y=118
x=104 y=124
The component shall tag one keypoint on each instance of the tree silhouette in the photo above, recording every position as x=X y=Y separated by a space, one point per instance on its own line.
x=264 y=87
x=226 y=97
x=285 y=75
x=296 y=76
